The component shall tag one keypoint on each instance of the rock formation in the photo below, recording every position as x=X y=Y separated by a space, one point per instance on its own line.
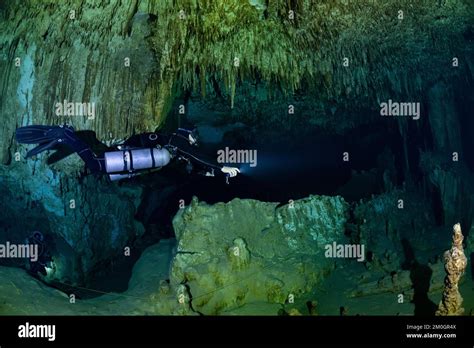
x=455 y=265
x=397 y=283
x=88 y=220
x=256 y=252
x=49 y=53
x=248 y=251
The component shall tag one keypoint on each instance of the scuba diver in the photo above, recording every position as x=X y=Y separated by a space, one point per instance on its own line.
x=138 y=154
x=44 y=260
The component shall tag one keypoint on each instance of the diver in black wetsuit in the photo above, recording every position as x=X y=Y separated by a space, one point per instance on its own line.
x=136 y=155
x=38 y=267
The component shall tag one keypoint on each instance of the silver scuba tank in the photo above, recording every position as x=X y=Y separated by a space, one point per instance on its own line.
x=136 y=159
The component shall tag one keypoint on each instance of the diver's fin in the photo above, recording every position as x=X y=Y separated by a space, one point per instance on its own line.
x=38 y=134
x=49 y=136
x=43 y=147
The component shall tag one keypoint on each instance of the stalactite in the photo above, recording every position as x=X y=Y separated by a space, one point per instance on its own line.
x=286 y=53
x=79 y=65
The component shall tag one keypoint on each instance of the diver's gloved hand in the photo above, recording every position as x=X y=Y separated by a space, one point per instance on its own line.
x=231 y=171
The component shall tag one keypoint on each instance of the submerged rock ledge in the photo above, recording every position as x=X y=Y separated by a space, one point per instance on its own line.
x=261 y=253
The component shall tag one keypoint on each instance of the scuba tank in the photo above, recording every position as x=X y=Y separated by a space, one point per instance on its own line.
x=120 y=164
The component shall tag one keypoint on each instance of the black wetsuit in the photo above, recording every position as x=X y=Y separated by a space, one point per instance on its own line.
x=44 y=257
x=177 y=144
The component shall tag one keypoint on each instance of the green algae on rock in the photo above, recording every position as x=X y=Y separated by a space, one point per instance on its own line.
x=244 y=251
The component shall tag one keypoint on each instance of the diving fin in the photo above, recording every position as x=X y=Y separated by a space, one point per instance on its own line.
x=49 y=136
x=43 y=147
x=46 y=136
x=38 y=134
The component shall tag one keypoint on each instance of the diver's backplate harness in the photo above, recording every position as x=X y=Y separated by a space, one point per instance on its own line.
x=138 y=154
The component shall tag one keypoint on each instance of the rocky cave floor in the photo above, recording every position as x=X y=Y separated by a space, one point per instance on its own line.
x=24 y=295
x=361 y=288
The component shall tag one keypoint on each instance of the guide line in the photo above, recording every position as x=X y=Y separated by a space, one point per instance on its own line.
x=192 y=298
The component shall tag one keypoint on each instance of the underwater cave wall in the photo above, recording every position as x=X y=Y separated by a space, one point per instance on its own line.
x=79 y=52
x=85 y=223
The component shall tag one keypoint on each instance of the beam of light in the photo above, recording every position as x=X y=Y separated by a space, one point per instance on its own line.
x=282 y=163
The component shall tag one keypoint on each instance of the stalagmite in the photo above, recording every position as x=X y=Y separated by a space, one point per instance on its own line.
x=455 y=265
